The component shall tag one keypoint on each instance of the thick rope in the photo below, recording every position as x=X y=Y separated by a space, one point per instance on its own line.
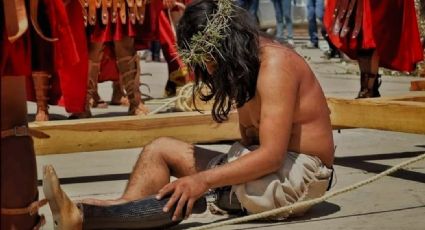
x=180 y=100
x=309 y=203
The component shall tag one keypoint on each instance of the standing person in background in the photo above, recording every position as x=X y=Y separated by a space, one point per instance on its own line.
x=250 y=5
x=283 y=12
x=363 y=36
x=114 y=22
x=314 y=13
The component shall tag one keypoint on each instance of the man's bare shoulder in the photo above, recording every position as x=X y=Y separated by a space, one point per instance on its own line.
x=280 y=57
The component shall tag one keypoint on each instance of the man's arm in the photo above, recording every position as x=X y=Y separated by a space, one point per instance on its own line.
x=278 y=90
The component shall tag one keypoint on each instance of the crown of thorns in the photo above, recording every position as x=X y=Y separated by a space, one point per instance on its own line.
x=201 y=45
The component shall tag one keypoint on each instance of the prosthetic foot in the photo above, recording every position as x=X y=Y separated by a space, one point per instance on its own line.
x=66 y=215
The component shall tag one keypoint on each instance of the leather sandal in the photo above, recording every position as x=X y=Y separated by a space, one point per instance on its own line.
x=369 y=85
x=130 y=78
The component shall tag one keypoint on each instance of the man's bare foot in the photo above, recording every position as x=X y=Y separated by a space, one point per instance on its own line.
x=42 y=115
x=66 y=215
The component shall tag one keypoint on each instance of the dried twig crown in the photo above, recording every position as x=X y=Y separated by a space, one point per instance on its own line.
x=203 y=44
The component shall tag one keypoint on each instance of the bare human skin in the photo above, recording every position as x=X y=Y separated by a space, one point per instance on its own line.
x=288 y=113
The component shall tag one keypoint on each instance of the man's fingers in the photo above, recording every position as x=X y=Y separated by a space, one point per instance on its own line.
x=179 y=209
x=189 y=207
x=168 y=188
x=173 y=199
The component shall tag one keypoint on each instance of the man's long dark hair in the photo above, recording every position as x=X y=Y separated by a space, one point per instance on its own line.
x=235 y=77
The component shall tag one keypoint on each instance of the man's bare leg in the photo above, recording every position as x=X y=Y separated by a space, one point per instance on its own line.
x=162 y=158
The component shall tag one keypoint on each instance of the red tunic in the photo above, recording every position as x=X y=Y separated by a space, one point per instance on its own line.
x=389 y=26
x=69 y=56
x=144 y=34
x=111 y=31
x=168 y=43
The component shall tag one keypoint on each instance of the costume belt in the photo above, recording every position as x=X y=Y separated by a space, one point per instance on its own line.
x=112 y=9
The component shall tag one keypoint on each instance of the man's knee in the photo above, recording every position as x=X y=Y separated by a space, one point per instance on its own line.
x=161 y=146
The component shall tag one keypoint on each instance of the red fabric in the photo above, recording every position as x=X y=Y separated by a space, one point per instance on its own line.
x=111 y=31
x=73 y=78
x=149 y=31
x=168 y=43
x=388 y=26
x=68 y=57
x=108 y=65
x=144 y=35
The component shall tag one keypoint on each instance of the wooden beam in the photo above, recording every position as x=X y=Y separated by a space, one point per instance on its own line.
x=407 y=115
x=130 y=132
x=403 y=113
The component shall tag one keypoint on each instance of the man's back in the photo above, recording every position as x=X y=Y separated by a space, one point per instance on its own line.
x=311 y=131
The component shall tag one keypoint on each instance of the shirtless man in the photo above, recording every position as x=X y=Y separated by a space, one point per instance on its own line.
x=287 y=150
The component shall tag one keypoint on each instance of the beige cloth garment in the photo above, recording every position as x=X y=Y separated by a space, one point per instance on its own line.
x=301 y=177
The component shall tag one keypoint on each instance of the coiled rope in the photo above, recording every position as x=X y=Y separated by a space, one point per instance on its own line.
x=308 y=203
x=184 y=95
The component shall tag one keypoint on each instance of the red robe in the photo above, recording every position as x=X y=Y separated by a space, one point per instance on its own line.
x=69 y=57
x=389 y=26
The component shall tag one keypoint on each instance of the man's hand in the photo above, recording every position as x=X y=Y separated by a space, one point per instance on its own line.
x=184 y=191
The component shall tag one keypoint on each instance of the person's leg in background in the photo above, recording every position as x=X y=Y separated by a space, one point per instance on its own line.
x=253 y=8
x=129 y=70
x=312 y=24
x=95 y=52
x=287 y=14
x=278 y=9
x=370 y=80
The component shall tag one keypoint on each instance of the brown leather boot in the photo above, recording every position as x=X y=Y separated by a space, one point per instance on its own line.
x=129 y=70
x=369 y=85
x=41 y=88
x=19 y=194
x=92 y=90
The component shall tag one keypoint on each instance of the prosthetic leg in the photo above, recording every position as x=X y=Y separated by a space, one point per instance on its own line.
x=19 y=194
x=140 y=214
x=41 y=86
